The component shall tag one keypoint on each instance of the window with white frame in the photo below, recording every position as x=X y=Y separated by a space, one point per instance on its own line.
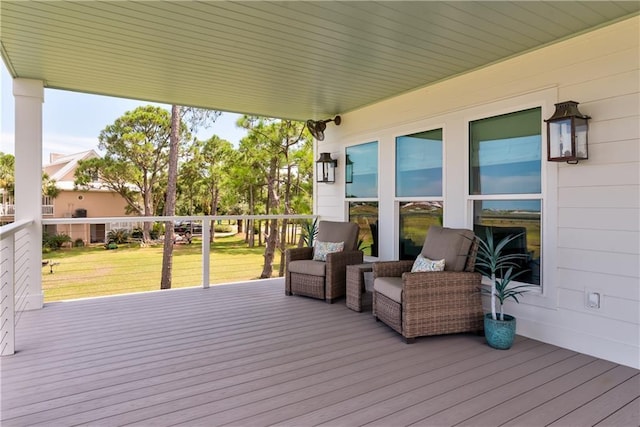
x=418 y=188
x=505 y=184
x=361 y=188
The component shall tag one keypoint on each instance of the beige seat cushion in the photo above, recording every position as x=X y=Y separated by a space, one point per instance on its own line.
x=390 y=287
x=450 y=244
x=307 y=266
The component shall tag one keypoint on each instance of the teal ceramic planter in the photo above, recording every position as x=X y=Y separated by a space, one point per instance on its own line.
x=500 y=333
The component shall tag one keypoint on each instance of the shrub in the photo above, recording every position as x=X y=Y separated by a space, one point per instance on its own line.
x=54 y=241
x=78 y=243
x=118 y=236
x=223 y=228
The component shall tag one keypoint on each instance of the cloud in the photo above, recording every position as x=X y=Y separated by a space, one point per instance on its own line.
x=67 y=144
x=52 y=143
x=7 y=142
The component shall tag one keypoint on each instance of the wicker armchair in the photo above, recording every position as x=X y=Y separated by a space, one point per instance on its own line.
x=323 y=279
x=435 y=302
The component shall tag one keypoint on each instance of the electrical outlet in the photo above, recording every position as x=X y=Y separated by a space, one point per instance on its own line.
x=593 y=299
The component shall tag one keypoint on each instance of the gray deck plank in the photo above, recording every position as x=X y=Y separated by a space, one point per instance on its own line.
x=518 y=404
x=600 y=408
x=434 y=404
x=246 y=354
x=555 y=409
x=625 y=416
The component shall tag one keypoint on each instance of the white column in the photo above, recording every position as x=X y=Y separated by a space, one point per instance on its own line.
x=29 y=96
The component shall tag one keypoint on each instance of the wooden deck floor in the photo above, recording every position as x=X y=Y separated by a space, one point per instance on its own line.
x=247 y=355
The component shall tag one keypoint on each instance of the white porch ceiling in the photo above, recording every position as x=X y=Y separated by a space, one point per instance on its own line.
x=295 y=60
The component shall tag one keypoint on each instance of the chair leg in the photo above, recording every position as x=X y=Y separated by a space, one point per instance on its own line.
x=409 y=340
x=288 y=293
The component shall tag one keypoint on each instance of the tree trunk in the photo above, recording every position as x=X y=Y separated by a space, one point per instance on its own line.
x=148 y=211
x=272 y=227
x=215 y=195
x=285 y=223
x=170 y=201
x=251 y=223
x=270 y=248
x=283 y=246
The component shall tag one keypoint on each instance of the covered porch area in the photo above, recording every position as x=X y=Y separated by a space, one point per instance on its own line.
x=246 y=354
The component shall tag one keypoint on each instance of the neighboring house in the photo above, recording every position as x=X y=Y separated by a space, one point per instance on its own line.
x=93 y=202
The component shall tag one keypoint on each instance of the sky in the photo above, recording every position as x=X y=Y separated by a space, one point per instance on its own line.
x=72 y=121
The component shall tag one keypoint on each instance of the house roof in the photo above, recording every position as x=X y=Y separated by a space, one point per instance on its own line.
x=299 y=60
x=61 y=166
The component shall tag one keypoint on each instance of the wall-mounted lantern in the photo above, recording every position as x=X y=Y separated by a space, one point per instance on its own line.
x=326 y=168
x=348 y=170
x=567 y=134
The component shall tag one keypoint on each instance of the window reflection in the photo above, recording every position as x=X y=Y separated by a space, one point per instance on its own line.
x=364 y=165
x=503 y=218
x=505 y=154
x=419 y=164
x=365 y=214
x=415 y=220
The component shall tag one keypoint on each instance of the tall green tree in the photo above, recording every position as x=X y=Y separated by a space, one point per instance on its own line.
x=271 y=144
x=213 y=158
x=7 y=172
x=196 y=117
x=170 y=201
x=136 y=158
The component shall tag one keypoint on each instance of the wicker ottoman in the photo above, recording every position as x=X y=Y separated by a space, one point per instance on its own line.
x=357 y=295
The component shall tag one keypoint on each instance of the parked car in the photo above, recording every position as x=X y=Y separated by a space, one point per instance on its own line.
x=194 y=227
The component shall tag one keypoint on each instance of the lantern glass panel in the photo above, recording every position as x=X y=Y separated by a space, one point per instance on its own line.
x=325 y=172
x=581 y=138
x=560 y=135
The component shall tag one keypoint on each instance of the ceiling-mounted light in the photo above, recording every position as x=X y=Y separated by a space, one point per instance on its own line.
x=317 y=127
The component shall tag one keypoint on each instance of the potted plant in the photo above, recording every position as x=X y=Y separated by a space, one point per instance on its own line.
x=500 y=328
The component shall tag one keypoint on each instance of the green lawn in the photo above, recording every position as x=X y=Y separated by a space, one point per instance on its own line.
x=94 y=271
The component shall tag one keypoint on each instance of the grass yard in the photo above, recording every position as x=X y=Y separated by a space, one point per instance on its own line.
x=95 y=271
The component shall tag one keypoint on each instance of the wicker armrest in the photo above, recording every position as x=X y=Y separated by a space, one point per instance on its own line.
x=440 y=284
x=296 y=254
x=344 y=258
x=336 y=273
x=391 y=268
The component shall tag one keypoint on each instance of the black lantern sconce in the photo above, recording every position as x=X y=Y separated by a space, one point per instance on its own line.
x=567 y=134
x=348 y=171
x=326 y=168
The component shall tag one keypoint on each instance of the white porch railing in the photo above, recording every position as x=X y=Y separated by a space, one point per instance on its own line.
x=10 y=210
x=14 y=266
x=13 y=280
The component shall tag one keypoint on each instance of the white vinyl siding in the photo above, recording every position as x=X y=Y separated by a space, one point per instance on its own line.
x=591 y=212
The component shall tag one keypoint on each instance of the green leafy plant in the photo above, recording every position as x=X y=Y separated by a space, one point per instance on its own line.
x=118 y=236
x=54 y=241
x=310 y=232
x=362 y=245
x=498 y=267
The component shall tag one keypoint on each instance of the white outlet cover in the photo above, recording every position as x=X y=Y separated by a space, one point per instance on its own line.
x=593 y=299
